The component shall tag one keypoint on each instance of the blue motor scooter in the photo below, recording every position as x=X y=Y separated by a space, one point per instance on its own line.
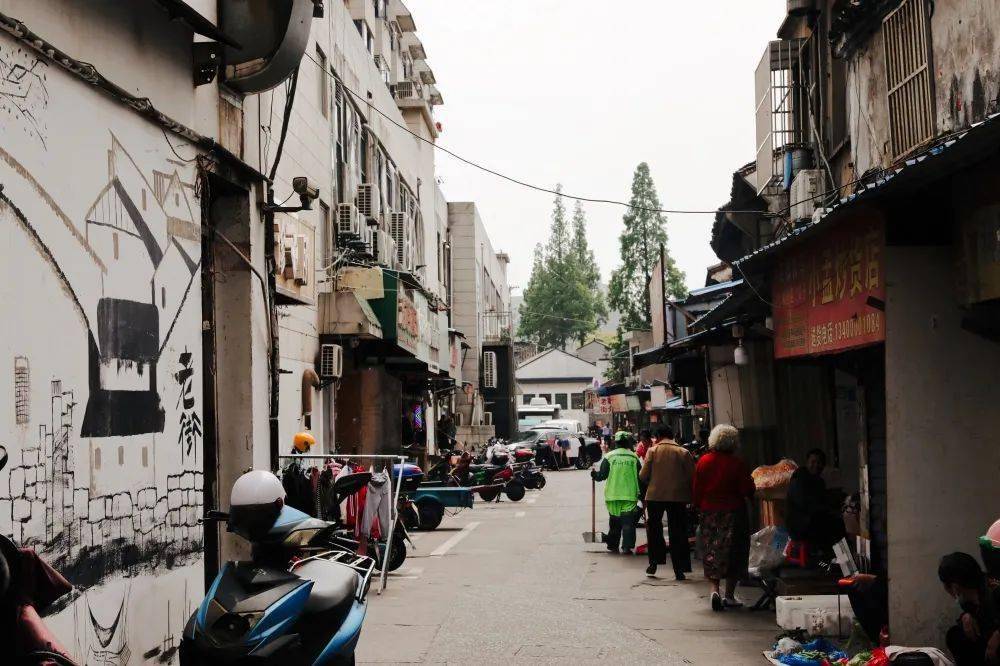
x=299 y=601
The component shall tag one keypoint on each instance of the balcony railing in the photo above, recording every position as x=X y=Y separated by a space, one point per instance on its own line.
x=497 y=326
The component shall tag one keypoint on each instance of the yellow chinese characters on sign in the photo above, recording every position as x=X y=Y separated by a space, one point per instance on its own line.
x=829 y=294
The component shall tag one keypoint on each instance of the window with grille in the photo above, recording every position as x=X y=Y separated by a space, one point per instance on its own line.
x=324 y=84
x=578 y=401
x=326 y=236
x=528 y=397
x=780 y=115
x=906 y=40
x=562 y=399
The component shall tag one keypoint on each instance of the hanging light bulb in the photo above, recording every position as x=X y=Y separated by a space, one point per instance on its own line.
x=740 y=354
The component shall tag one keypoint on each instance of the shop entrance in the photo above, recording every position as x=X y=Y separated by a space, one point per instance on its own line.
x=837 y=403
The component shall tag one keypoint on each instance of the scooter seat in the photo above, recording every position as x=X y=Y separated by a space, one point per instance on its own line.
x=333 y=583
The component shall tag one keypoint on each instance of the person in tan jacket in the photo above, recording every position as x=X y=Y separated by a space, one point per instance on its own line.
x=668 y=472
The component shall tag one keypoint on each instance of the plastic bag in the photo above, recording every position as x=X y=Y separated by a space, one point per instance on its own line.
x=879 y=658
x=767 y=548
x=774 y=476
x=815 y=653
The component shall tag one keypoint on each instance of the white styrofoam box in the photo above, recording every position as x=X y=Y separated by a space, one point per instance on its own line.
x=816 y=613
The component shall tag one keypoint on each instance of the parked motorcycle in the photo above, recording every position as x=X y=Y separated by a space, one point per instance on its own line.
x=490 y=480
x=529 y=474
x=302 y=597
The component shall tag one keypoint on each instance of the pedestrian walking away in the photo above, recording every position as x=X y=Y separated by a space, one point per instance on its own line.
x=669 y=473
x=645 y=443
x=722 y=486
x=620 y=468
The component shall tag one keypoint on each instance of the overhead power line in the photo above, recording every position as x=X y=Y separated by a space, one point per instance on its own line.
x=538 y=188
x=678 y=211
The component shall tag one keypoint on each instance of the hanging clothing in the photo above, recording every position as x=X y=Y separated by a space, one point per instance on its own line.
x=298 y=488
x=377 y=504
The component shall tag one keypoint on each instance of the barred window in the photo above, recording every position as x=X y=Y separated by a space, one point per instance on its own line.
x=906 y=40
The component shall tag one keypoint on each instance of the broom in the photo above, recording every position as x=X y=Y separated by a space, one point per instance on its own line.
x=593 y=536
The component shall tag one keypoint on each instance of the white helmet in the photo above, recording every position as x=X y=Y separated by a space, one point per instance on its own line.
x=254 y=504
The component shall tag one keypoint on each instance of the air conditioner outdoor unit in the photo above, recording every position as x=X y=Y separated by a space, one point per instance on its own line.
x=398 y=229
x=301 y=259
x=369 y=237
x=291 y=258
x=348 y=220
x=331 y=361
x=379 y=248
x=370 y=201
x=490 y=370
x=391 y=252
x=804 y=196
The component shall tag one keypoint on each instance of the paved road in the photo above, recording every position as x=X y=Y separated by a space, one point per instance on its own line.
x=514 y=583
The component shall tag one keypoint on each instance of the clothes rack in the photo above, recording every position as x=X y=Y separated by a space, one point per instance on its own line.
x=393 y=510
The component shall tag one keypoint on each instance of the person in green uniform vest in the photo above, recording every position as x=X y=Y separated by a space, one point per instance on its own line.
x=620 y=468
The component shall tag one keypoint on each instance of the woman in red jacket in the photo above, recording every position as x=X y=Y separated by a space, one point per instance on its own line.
x=722 y=486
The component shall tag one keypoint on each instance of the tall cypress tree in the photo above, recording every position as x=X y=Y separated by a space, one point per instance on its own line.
x=639 y=243
x=584 y=259
x=560 y=304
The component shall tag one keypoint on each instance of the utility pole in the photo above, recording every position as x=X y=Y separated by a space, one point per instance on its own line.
x=663 y=289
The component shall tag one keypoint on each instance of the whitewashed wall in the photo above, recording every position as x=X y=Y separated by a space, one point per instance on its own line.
x=100 y=359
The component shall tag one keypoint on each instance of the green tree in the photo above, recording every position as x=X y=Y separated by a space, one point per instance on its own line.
x=618 y=368
x=645 y=229
x=583 y=258
x=559 y=303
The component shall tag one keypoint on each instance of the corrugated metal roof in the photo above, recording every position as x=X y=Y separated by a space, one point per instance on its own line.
x=713 y=289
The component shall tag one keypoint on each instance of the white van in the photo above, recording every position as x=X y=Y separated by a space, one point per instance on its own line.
x=572 y=425
x=538 y=411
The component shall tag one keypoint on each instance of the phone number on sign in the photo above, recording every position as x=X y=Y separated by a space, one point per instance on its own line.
x=833 y=332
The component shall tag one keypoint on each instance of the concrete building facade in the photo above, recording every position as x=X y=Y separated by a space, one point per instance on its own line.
x=481 y=311
x=561 y=379
x=875 y=279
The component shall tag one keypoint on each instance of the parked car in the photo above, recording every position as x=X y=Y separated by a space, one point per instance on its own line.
x=592 y=446
x=544 y=434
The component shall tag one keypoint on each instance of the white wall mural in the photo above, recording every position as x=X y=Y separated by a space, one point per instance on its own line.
x=100 y=360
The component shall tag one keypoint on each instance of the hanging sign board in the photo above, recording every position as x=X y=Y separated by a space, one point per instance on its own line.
x=829 y=294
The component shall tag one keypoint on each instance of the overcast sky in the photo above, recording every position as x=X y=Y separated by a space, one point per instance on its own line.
x=579 y=92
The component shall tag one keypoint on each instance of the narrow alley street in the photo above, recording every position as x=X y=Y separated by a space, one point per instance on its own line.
x=514 y=583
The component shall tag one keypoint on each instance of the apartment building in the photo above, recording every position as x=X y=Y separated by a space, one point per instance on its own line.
x=365 y=351
x=481 y=311
x=861 y=312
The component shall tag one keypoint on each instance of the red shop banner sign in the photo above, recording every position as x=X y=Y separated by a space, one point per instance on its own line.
x=829 y=294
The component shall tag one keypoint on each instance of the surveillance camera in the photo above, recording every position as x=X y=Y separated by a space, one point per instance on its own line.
x=307 y=191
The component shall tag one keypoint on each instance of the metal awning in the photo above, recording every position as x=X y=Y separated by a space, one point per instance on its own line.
x=352 y=315
x=182 y=11
x=740 y=303
x=654 y=356
x=956 y=152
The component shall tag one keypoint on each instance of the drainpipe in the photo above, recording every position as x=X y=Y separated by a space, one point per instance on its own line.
x=310 y=381
x=272 y=288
